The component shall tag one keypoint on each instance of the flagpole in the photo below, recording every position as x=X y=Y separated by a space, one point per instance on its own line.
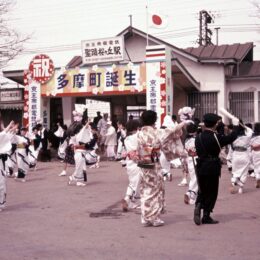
x=147 y=25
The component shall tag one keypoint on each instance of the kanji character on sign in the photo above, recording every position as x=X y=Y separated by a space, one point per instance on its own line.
x=62 y=81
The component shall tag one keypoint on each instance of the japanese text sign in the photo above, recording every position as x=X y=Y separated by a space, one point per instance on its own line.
x=102 y=50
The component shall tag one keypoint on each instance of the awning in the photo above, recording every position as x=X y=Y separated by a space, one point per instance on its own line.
x=13 y=106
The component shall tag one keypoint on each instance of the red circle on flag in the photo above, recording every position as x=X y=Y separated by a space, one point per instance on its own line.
x=41 y=68
x=157 y=19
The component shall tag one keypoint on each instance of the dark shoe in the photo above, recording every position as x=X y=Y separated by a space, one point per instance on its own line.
x=186 y=199
x=124 y=205
x=257 y=184
x=208 y=220
x=197 y=212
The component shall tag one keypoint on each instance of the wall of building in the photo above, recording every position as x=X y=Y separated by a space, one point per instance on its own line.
x=179 y=99
x=210 y=76
x=136 y=48
x=243 y=85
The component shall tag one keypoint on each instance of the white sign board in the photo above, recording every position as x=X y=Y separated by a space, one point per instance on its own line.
x=102 y=50
x=96 y=105
x=11 y=95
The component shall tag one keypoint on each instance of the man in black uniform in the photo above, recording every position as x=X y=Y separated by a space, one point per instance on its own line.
x=97 y=118
x=208 y=146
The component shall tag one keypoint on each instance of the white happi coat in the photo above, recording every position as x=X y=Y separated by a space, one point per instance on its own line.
x=133 y=171
x=255 y=142
x=11 y=158
x=111 y=141
x=191 y=159
x=120 y=147
x=84 y=136
x=21 y=154
x=62 y=145
x=241 y=159
x=33 y=153
x=5 y=147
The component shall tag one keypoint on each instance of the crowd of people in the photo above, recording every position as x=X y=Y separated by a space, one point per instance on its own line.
x=147 y=154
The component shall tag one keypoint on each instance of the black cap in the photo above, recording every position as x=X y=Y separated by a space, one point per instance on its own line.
x=210 y=119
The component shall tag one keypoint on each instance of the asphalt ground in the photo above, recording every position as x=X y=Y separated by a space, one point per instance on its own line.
x=47 y=219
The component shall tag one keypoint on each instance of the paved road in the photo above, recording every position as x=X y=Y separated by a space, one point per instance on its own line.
x=47 y=219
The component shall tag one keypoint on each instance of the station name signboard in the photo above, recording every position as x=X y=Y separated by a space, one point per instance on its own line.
x=102 y=50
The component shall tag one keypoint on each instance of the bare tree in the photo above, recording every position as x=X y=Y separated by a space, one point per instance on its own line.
x=11 y=43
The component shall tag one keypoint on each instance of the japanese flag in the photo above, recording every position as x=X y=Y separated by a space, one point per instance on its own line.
x=157 y=20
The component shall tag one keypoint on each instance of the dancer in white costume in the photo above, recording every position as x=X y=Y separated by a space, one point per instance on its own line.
x=22 y=150
x=60 y=134
x=191 y=195
x=79 y=141
x=240 y=158
x=111 y=141
x=185 y=113
x=133 y=171
x=69 y=150
x=229 y=152
x=121 y=134
x=255 y=146
x=166 y=164
x=92 y=158
x=11 y=158
x=5 y=147
x=102 y=130
x=34 y=148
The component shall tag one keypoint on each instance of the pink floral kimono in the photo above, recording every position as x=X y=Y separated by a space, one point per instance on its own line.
x=152 y=190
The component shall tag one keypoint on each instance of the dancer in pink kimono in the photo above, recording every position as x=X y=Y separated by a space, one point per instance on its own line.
x=150 y=142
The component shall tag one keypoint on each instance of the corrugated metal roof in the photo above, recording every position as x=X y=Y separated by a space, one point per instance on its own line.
x=249 y=69
x=234 y=51
x=76 y=61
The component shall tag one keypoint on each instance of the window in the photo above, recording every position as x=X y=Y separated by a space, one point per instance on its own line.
x=203 y=102
x=242 y=105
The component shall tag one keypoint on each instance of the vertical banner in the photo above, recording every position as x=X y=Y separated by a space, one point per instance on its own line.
x=26 y=79
x=158 y=88
x=153 y=91
x=41 y=70
x=34 y=103
x=169 y=83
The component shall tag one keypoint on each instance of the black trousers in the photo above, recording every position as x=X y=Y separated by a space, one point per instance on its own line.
x=208 y=174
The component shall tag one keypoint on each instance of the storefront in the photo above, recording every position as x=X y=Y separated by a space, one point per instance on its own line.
x=11 y=105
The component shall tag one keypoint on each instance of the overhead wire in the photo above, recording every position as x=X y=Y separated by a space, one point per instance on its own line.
x=168 y=34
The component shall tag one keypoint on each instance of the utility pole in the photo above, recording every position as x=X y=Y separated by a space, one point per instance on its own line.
x=204 y=32
x=217 y=28
x=130 y=16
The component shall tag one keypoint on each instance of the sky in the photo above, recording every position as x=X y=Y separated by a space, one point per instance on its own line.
x=57 y=27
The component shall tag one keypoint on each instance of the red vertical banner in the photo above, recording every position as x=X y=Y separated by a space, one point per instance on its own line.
x=26 y=79
x=163 y=100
